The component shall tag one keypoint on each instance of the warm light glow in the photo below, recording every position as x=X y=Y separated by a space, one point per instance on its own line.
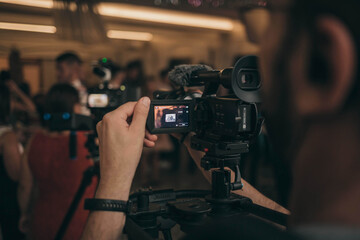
x=27 y=27
x=138 y=36
x=31 y=3
x=147 y=14
x=115 y=34
x=165 y=16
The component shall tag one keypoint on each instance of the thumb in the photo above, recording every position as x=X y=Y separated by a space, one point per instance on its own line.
x=141 y=112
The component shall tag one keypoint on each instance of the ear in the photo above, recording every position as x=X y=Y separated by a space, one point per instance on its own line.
x=322 y=84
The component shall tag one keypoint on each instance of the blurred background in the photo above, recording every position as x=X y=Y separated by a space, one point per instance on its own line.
x=157 y=32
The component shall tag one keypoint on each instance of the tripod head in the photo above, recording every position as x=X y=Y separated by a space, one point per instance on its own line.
x=221 y=155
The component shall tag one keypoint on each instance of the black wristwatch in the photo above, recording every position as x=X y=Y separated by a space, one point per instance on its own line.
x=96 y=204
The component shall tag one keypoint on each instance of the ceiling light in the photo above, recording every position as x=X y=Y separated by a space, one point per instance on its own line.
x=115 y=34
x=31 y=3
x=27 y=27
x=148 y=14
x=138 y=36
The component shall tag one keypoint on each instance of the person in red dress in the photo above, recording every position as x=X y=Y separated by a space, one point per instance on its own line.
x=50 y=178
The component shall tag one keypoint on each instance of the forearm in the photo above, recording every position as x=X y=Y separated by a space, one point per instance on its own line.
x=122 y=136
x=24 y=193
x=25 y=187
x=26 y=101
x=196 y=156
x=102 y=224
x=258 y=198
x=247 y=191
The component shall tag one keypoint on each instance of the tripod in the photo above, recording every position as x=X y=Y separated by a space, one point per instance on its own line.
x=85 y=182
x=159 y=211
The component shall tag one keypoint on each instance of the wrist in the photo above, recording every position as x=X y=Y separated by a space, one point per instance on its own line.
x=113 y=190
x=187 y=140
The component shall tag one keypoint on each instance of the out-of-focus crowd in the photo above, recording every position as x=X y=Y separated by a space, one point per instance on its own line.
x=38 y=178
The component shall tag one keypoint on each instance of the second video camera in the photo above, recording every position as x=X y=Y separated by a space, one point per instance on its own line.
x=103 y=98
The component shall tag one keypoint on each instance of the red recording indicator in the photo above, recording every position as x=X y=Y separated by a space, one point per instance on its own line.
x=206 y=150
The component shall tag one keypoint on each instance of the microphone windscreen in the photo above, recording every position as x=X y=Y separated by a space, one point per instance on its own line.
x=181 y=74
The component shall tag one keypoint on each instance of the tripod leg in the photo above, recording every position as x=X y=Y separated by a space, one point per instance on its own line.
x=86 y=181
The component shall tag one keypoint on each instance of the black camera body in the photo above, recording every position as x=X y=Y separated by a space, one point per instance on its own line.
x=230 y=118
x=103 y=99
x=227 y=117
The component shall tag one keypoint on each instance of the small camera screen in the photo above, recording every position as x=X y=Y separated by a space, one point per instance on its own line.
x=98 y=100
x=176 y=116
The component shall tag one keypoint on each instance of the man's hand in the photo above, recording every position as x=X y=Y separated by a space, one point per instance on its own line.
x=122 y=136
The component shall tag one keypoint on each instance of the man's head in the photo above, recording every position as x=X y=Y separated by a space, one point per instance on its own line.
x=118 y=75
x=309 y=65
x=61 y=98
x=68 y=67
x=134 y=70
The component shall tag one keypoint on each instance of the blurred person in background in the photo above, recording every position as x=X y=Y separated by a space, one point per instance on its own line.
x=69 y=70
x=49 y=178
x=22 y=108
x=39 y=101
x=164 y=80
x=118 y=76
x=135 y=81
x=10 y=157
x=16 y=71
x=20 y=101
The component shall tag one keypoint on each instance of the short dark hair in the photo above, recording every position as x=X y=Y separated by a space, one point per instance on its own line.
x=136 y=64
x=69 y=57
x=61 y=98
x=116 y=69
x=4 y=104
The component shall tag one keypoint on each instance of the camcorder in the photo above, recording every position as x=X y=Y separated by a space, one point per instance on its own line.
x=218 y=118
x=104 y=99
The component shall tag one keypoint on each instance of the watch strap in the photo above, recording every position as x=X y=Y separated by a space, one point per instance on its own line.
x=97 y=204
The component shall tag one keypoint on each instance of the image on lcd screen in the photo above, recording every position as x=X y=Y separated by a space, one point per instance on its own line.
x=171 y=116
x=98 y=100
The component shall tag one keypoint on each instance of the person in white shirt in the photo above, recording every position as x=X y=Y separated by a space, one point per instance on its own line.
x=69 y=70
